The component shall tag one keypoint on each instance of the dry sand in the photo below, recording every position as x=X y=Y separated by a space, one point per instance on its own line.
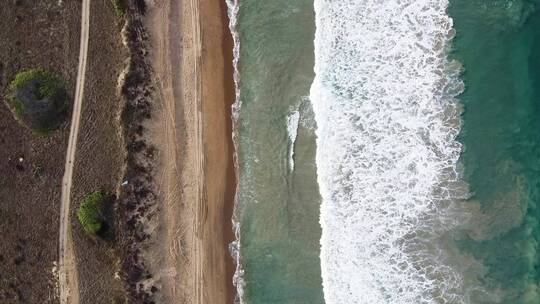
x=192 y=61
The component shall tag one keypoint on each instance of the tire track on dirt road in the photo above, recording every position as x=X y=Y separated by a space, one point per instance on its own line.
x=67 y=272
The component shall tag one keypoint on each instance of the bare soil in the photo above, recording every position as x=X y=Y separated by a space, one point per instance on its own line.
x=35 y=34
x=99 y=158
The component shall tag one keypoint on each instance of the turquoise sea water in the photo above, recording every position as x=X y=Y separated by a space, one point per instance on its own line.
x=408 y=215
x=278 y=201
x=498 y=43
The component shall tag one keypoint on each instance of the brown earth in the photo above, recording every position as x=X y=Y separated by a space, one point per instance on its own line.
x=46 y=34
x=99 y=158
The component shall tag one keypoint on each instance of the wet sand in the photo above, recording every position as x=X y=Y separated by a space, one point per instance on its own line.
x=218 y=96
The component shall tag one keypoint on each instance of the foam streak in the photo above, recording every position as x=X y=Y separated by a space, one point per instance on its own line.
x=234 y=248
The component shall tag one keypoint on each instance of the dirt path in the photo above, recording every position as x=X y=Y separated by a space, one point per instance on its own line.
x=67 y=272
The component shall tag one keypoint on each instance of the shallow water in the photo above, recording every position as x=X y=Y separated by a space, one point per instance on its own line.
x=498 y=43
x=277 y=201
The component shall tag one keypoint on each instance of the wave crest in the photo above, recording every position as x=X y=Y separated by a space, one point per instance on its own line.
x=387 y=154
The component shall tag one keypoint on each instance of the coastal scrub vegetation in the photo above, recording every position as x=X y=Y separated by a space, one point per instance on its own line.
x=89 y=213
x=38 y=99
x=119 y=8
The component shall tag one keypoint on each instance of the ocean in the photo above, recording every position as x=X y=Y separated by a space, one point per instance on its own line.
x=498 y=43
x=277 y=204
x=387 y=151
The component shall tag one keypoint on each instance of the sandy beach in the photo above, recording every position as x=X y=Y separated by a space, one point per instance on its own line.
x=217 y=98
x=192 y=61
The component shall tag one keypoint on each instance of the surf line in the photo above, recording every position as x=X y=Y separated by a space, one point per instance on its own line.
x=384 y=98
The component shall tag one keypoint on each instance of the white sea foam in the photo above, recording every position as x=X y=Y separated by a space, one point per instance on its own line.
x=387 y=117
x=234 y=247
x=292 y=129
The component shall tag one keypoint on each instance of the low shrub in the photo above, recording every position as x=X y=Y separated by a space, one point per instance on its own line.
x=38 y=99
x=89 y=213
x=119 y=8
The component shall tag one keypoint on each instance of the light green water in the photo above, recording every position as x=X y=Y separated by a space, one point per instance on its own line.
x=498 y=43
x=278 y=207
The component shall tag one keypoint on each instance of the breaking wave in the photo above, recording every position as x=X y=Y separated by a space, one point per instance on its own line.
x=292 y=129
x=384 y=98
x=234 y=247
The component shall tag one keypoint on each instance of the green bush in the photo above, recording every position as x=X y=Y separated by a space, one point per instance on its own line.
x=89 y=213
x=119 y=8
x=38 y=98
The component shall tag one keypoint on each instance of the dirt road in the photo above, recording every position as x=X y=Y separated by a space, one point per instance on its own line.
x=67 y=272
